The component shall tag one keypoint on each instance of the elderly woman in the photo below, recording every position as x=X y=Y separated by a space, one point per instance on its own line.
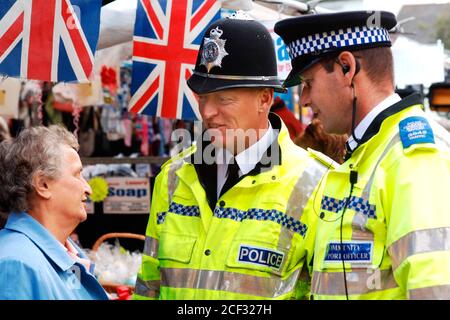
x=42 y=188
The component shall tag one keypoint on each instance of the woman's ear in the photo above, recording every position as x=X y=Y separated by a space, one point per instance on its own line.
x=41 y=185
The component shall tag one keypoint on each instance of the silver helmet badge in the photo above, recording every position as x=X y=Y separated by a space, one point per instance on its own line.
x=213 y=50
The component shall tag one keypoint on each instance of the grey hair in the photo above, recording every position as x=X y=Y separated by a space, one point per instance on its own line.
x=4 y=130
x=36 y=149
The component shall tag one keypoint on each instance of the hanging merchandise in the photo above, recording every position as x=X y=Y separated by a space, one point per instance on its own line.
x=54 y=116
x=123 y=94
x=139 y=131
x=144 y=143
x=9 y=97
x=99 y=188
x=162 y=149
x=109 y=84
x=154 y=136
x=111 y=120
x=66 y=95
x=76 y=118
x=32 y=106
x=88 y=94
x=93 y=140
x=102 y=144
x=86 y=136
x=128 y=126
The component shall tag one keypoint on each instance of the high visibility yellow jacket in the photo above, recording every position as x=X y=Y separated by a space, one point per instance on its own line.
x=254 y=243
x=395 y=239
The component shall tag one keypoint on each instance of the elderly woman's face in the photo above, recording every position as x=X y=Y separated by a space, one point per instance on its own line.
x=70 y=190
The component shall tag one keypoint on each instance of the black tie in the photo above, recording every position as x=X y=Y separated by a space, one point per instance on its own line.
x=233 y=177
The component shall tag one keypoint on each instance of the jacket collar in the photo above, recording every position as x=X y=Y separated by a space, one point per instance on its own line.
x=375 y=126
x=24 y=223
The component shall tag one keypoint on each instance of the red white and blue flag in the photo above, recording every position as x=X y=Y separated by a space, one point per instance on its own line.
x=167 y=37
x=51 y=40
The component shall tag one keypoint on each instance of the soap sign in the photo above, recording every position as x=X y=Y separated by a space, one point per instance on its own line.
x=127 y=195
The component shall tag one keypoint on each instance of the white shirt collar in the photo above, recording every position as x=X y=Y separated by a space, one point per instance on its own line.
x=362 y=127
x=248 y=158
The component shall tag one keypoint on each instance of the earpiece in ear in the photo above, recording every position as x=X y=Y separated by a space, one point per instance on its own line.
x=345 y=69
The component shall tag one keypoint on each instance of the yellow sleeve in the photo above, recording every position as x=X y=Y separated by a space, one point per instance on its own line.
x=148 y=279
x=418 y=223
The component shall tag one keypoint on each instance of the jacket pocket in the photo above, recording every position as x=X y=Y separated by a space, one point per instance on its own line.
x=176 y=247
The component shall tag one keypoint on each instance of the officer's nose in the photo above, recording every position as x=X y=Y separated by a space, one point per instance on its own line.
x=208 y=109
x=305 y=98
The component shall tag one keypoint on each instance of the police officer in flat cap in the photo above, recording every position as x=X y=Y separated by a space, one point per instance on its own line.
x=384 y=222
x=231 y=217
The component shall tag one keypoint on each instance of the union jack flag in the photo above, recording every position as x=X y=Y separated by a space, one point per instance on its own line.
x=51 y=40
x=167 y=36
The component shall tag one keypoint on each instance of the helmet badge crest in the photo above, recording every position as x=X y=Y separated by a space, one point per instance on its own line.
x=213 y=50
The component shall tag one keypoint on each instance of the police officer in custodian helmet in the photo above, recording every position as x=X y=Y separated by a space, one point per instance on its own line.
x=231 y=216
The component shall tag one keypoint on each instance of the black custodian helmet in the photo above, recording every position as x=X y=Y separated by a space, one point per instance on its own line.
x=236 y=52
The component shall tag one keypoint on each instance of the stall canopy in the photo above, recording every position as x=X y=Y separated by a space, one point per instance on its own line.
x=117 y=18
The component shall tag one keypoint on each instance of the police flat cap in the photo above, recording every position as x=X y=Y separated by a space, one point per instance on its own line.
x=312 y=37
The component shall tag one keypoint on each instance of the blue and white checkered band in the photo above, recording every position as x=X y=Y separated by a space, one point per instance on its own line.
x=337 y=39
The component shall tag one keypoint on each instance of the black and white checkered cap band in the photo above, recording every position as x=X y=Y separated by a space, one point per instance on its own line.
x=337 y=39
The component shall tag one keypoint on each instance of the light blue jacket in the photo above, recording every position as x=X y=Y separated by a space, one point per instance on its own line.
x=34 y=265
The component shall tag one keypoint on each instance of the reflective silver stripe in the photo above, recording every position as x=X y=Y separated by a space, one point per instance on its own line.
x=287 y=222
x=300 y=195
x=359 y=219
x=420 y=241
x=359 y=281
x=431 y=293
x=395 y=139
x=267 y=287
x=304 y=188
x=151 y=247
x=232 y=77
x=172 y=178
x=149 y=289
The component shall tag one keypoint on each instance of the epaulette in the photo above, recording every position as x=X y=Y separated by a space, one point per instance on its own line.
x=180 y=156
x=323 y=159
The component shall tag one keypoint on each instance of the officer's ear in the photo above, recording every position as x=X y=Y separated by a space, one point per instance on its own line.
x=265 y=99
x=349 y=65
